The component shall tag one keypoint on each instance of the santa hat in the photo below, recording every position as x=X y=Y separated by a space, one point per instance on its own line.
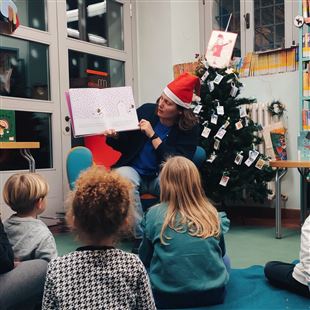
x=181 y=90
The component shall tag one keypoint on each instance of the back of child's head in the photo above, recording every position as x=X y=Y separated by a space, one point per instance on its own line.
x=181 y=189
x=22 y=190
x=100 y=204
x=180 y=180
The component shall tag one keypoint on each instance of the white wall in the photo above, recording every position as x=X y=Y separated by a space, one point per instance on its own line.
x=167 y=34
x=282 y=87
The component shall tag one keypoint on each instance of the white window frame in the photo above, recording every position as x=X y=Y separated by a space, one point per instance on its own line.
x=207 y=9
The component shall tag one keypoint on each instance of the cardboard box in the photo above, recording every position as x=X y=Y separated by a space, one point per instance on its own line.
x=7 y=126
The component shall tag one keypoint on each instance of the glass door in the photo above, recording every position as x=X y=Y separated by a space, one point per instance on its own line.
x=29 y=89
x=95 y=50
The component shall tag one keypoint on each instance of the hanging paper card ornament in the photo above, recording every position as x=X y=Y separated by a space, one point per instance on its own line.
x=217 y=144
x=206 y=132
x=197 y=109
x=221 y=133
x=211 y=86
x=242 y=111
x=220 y=110
x=227 y=123
x=239 y=158
x=204 y=77
x=234 y=90
x=260 y=164
x=224 y=179
x=220 y=48
x=9 y=20
x=239 y=125
x=218 y=79
x=212 y=158
x=214 y=119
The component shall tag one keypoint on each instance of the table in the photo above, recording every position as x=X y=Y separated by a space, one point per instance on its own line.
x=282 y=166
x=24 y=148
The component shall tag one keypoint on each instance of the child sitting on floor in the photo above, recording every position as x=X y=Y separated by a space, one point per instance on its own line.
x=183 y=244
x=97 y=275
x=30 y=238
x=295 y=278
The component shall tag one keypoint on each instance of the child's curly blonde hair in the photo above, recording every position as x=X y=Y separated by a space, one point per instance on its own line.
x=100 y=204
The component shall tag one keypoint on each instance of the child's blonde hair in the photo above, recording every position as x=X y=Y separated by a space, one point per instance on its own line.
x=22 y=190
x=100 y=204
x=188 y=207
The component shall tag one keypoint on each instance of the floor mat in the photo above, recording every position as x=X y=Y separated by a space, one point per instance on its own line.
x=248 y=289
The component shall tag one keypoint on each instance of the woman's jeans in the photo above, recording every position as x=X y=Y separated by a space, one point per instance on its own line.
x=142 y=185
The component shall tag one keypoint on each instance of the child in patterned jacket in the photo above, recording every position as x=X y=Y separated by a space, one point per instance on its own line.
x=97 y=275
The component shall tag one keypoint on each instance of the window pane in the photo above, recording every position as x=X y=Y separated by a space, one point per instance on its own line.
x=30 y=127
x=32 y=13
x=264 y=38
x=266 y=2
x=223 y=10
x=279 y=35
x=269 y=25
x=99 y=22
x=279 y=14
x=267 y=16
x=24 y=70
x=87 y=70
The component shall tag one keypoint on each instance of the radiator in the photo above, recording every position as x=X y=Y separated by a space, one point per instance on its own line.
x=259 y=113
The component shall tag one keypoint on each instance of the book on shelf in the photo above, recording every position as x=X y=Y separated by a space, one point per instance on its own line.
x=270 y=62
x=7 y=126
x=304 y=145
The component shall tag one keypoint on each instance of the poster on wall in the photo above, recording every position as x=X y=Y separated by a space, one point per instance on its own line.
x=9 y=20
x=220 y=48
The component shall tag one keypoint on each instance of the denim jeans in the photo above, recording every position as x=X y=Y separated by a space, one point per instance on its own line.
x=142 y=185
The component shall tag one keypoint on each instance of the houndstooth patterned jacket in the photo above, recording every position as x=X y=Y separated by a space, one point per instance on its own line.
x=97 y=278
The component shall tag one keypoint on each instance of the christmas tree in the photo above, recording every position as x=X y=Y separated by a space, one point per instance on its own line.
x=234 y=169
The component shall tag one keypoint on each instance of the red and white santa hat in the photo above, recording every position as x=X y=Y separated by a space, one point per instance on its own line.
x=182 y=89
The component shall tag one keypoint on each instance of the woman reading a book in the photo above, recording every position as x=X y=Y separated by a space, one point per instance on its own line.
x=167 y=128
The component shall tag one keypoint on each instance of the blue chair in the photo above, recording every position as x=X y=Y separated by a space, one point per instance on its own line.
x=79 y=159
x=199 y=157
x=148 y=200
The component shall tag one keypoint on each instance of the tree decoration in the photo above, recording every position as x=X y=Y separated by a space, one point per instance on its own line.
x=276 y=108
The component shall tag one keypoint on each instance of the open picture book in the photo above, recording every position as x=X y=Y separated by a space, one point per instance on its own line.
x=94 y=110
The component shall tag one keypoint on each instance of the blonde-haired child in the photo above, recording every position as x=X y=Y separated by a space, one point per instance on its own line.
x=97 y=275
x=30 y=238
x=183 y=245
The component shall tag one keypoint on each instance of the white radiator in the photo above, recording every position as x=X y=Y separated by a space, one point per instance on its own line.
x=259 y=113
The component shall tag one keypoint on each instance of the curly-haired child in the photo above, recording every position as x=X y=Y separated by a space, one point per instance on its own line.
x=183 y=245
x=97 y=275
x=25 y=193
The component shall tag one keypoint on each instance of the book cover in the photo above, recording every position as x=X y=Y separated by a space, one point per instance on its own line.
x=7 y=126
x=304 y=145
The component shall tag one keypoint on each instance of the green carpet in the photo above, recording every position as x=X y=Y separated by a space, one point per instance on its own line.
x=245 y=245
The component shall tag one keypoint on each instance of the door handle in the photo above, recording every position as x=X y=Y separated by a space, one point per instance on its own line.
x=247 y=20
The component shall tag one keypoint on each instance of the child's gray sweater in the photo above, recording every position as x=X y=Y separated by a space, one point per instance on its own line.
x=30 y=238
